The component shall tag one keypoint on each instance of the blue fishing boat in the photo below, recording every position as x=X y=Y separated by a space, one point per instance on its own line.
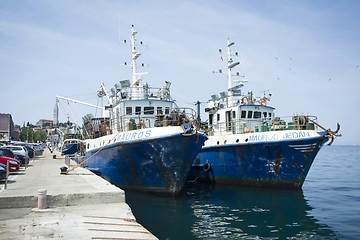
x=249 y=145
x=70 y=146
x=70 y=143
x=144 y=141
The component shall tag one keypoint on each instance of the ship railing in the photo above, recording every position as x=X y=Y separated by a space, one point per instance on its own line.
x=295 y=122
x=158 y=118
x=144 y=92
x=141 y=119
x=96 y=127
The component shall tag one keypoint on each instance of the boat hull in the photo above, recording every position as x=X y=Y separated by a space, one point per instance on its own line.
x=159 y=164
x=280 y=163
x=69 y=149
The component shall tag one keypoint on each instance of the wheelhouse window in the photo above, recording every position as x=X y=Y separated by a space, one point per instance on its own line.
x=148 y=110
x=167 y=110
x=234 y=114
x=159 y=111
x=218 y=117
x=257 y=114
x=265 y=114
x=269 y=115
x=250 y=113
x=137 y=110
x=243 y=114
x=128 y=110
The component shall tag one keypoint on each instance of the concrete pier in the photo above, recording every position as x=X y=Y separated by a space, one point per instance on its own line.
x=79 y=205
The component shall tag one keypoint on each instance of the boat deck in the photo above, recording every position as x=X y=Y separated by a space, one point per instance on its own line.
x=79 y=205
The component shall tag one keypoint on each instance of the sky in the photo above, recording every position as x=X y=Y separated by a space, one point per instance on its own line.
x=305 y=53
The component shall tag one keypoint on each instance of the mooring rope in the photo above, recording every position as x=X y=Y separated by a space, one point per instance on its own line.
x=72 y=169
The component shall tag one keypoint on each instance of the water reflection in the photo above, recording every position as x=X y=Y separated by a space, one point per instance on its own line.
x=228 y=212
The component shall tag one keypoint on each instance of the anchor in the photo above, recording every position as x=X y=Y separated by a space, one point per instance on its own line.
x=329 y=133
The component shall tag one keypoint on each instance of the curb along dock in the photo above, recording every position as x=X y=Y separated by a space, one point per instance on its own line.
x=80 y=205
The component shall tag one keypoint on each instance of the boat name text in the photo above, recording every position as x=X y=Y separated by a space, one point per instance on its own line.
x=276 y=136
x=133 y=135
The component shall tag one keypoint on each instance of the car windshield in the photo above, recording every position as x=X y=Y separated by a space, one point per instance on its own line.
x=15 y=148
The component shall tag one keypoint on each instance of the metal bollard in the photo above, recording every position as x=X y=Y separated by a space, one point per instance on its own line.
x=63 y=170
x=42 y=198
x=67 y=160
x=7 y=175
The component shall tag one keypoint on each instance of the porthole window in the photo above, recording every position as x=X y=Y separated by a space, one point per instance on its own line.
x=237 y=140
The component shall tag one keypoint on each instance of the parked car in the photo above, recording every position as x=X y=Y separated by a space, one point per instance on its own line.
x=30 y=150
x=6 y=152
x=13 y=164
x=2 y=172
x=19 y=150
x=10 y=154
x=38 y=149
x=21 y=159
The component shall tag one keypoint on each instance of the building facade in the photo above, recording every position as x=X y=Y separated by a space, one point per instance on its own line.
x=6 y=127
x=43 y=122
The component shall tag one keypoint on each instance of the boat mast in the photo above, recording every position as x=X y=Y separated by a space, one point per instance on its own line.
x=229 y=101
x=230 y=65
x=136 y=77
x=134 y=56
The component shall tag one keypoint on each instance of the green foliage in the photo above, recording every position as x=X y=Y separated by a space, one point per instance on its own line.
x=40 y=136
x=26 y=134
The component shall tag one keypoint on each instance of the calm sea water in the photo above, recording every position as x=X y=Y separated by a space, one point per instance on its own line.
x=327 y=207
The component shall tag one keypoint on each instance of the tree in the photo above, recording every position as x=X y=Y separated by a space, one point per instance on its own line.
x=40 y=136
x=26 y=134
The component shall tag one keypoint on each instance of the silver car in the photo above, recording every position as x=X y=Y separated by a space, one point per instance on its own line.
x=19 y=150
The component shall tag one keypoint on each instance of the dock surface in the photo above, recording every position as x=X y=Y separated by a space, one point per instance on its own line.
x=80 y=205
